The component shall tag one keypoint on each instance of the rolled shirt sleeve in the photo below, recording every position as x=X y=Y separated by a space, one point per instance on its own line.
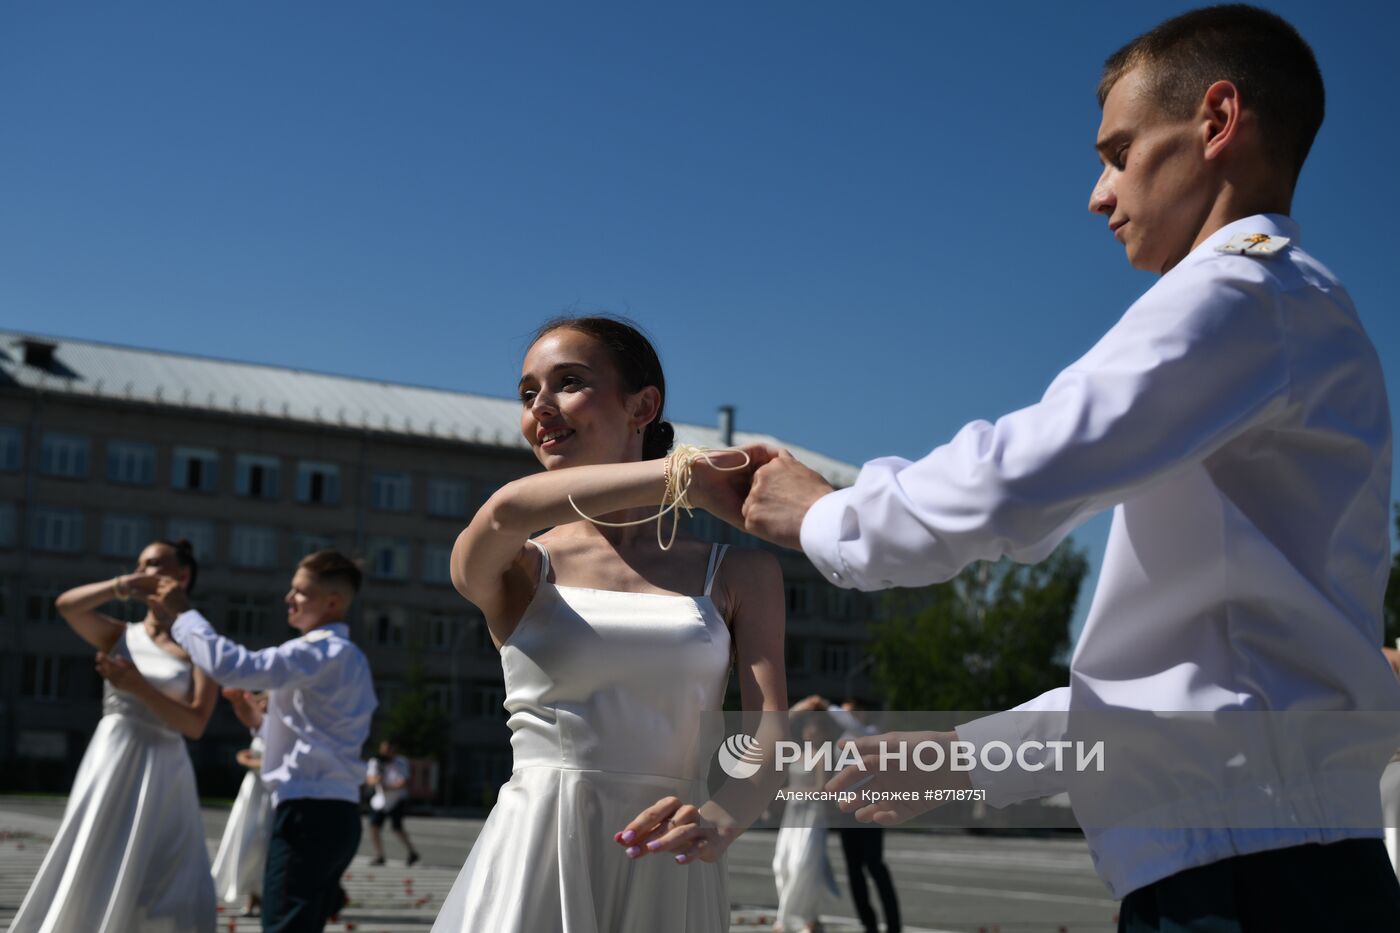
x=1195 y=362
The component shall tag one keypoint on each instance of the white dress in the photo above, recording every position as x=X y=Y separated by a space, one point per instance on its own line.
x=801 y=868
x=238 y=865
x=606 y=693
x=129 y=856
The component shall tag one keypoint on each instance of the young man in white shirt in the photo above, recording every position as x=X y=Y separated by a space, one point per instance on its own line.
x=320 y=699
x=388 y=774
x=1235 y=420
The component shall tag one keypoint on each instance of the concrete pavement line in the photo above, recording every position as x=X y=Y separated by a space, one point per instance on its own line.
x=1012 y=893
x=27 y=823
x=829 y=918
x=994 y=893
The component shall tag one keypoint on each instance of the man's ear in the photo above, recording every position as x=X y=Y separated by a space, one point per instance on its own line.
x=1220 y=116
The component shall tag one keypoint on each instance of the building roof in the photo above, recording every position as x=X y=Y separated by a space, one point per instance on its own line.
x=130 y=374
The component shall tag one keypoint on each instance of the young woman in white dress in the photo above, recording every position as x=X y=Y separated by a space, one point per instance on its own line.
x=242 y=855
x=613 y=649
x=130 y=853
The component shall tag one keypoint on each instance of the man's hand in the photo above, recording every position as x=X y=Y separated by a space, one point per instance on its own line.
x=807 y=704
x=893 y=783
x=166 y=597
x=244 y=707
x=782 y=492
x=720 y=480
x=120 y=673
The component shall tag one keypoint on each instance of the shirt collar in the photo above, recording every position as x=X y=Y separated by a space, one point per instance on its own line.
x=1272 y=224
x=335 y=628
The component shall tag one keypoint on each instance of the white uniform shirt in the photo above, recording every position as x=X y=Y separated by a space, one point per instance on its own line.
x=1236 y=421
x=386 y=797
x=319 y=704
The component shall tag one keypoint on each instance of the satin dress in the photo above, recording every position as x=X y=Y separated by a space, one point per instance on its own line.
x=801 y=866
x=242 y=855
x=606 y=693
x=129 y=856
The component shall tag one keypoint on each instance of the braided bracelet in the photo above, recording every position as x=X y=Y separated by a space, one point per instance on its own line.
x=676 y=477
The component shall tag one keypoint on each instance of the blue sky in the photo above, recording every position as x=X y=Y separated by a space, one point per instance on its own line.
x=863 y=224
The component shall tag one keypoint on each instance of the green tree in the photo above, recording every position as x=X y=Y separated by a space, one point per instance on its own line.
x=991 y=638
x=1392 y=593
x=415 y=720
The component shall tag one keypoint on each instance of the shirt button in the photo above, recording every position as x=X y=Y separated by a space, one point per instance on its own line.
x=836 y=576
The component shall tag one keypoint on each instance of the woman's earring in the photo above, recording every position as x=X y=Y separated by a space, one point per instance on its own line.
x=639 y=430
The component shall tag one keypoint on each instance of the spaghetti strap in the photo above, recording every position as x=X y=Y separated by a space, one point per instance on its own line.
x=717 y=552
x=544 y=559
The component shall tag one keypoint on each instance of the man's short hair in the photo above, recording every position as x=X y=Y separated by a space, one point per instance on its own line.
x=1257 y=51
x=332 y=568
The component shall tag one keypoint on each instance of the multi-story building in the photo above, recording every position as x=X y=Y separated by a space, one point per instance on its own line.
x=104 y=448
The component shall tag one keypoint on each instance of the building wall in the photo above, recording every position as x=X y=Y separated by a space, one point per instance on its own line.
x=408 y=613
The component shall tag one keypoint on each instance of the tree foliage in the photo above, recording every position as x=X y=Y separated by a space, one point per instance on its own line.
x=415 y=721
x=994 y=637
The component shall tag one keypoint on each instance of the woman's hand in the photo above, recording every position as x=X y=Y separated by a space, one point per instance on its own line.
x=672 y=826
x=720 y=480
x=243 y=707
x=120 y=673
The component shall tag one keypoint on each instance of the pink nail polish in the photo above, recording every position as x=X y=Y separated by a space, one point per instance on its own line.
x=634 y=851
x=682 y=859
x=628 y=836
x=654 y=844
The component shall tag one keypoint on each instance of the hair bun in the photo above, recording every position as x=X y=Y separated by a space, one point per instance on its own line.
x=657 y=441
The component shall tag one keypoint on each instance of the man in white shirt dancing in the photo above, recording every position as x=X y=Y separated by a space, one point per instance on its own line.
x=1235 y=420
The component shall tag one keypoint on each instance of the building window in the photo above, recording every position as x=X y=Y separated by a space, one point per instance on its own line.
x=797 y=599
x=386 y=627
x=42 y=745
x=796 y=655
x=484 y=701
x=131 y=463
x=303 y=544
x=63 y=455
x=195 y=469
x=257 y=477
x=388 y=559
x=11 y=446
x=447 y=498
x=248 y=617
x=57 y=530
x=125 y=610
x=40 y=601
x=199 y=534
x=442 y=629
x=125 y=535
x=318 y=483
x=835 y=658
x=437 y=563
x=440 y=698
x=43 y=677
x=9 y=524
x=391 y=492
x=253 y=546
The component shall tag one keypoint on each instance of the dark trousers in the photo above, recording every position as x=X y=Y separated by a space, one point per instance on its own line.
x=865 y=852
x=1346 y=886
x=312 y=843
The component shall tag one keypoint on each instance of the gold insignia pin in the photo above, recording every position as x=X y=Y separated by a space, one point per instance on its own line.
x=1254 y=244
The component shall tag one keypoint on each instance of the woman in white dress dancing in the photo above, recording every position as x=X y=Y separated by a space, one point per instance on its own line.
x=130 y=853
x=613 y=649
x=242 y=854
